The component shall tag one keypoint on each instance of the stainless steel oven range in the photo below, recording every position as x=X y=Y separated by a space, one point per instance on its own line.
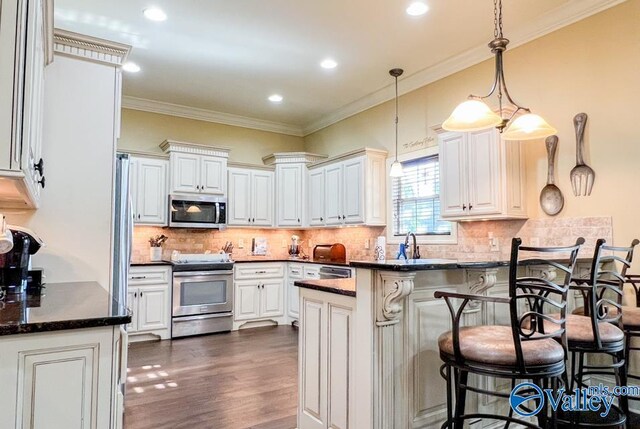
x=202 y=298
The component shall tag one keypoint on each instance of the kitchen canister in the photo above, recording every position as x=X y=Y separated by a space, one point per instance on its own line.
x=155 y=254
x=380 y=251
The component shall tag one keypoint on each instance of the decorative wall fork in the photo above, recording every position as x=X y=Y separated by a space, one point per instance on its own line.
x=582 y=176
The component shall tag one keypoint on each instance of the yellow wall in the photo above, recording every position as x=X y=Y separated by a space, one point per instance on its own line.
x=592 y=66
x=144 y=131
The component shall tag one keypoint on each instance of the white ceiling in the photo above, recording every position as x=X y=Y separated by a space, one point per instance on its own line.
x=229 y=56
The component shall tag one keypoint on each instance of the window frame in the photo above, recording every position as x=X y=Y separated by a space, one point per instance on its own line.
x=421 y=239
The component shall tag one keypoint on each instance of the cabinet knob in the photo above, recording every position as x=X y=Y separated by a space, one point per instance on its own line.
x=321 y=219
x=138 y=216
x=39 y=166
x=41 y=182
x=470 y=206
x=135 y=294
x=298 y=220
x=464 y=207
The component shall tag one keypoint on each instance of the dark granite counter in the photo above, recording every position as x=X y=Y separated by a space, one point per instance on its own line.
x=149 y=263
x=436 y=264
x=61 y=306
x=338 y=286
x=293 y=260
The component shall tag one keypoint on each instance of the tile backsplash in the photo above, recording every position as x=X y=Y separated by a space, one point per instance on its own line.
x=473 y=239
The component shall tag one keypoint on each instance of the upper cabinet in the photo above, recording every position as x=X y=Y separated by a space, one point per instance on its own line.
x=149 y=190
x=251 y=196
x=348 y=190
x=481 y=176
x=26 y=46
x=291 y=186
x=196 y=169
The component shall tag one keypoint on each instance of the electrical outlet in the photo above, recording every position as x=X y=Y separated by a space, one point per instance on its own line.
x=240 y=243
x=494 y=245
x=367 y=246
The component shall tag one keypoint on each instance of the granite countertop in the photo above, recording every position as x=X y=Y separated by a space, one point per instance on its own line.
x=248 y=259
x=338 y=286
x=61 y=306
x=149 y=263
x=436 y=264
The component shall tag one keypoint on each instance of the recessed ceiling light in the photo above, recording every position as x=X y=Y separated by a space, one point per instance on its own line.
x=417 y=8
x=155 y=14
x=275 y=98
x=328 y=64
x=131 y=67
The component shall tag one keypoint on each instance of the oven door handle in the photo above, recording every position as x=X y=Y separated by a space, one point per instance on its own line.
x=201 y=317
x=203 y=273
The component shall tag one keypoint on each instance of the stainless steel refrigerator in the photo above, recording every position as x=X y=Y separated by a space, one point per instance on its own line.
x=122 y=229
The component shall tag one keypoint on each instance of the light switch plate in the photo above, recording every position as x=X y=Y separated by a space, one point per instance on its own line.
x=240 y=243
x=367 y=246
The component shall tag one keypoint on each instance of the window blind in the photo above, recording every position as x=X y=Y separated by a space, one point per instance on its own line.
x=416 y=199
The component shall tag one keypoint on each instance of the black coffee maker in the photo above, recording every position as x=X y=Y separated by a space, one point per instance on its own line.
x=15 y=263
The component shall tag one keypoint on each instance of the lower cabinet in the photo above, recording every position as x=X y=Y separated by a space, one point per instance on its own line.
x=63 y=379
x=259 y=292
x=294 y=273
x=325 y=350
x=149 y=299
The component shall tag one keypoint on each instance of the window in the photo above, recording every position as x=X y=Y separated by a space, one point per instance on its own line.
x=415 y=199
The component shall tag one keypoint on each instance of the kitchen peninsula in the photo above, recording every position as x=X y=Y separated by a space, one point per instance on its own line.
x=63 y=357
x=371 y=360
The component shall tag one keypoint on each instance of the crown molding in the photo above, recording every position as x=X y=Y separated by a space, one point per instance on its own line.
x=199 y=114
x=563 y=16
x=89 y=48
x=169 y=146
x=292 y=158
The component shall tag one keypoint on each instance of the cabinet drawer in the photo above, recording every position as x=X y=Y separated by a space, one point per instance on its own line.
x=258 y=271
x=296 y=271
x=147 y=275
x=312 y=272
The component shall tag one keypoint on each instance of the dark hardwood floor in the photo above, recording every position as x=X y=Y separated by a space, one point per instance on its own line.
x=244 y=379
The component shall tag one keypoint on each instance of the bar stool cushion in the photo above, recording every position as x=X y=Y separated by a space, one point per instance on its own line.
x=493 y=345
x=579 y=330
x=630 y=315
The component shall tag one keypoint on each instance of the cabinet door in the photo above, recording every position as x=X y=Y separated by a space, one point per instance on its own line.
x=152 y=196
x=353 y=189
x=453 y=175
x=271 y=298
x=290 y=194
x=239 y=210
x=262 y=198
x=133 y=187
x=484 y=172
x=247 y=300
x=185 y=173
x=316 y=197
x=213 y=175
x=153 y=308
x=293 y=299
x=132 y=304
x=312 y=366
x=333 y=194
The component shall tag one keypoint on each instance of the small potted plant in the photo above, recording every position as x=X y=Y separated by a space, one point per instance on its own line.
x=155 y=251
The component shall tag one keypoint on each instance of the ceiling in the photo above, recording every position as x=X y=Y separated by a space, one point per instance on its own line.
x=224 y=58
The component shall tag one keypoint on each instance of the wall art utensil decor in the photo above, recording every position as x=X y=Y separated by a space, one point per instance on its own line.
x=551 y=198
x=582 y=176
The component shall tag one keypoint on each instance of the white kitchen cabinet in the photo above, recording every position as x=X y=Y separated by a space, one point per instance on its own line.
x=481 y=176
x=316 y=197
x=295 y=272
x=251 y=197
x=272 y=298
x=348 y=190
x=247 y=300
x=259 y=295
x=149 y=190
x=26 y=32
x=196 y=169
x=63 y=379
x=149 y=299
x=326 y=365
x=290 y=195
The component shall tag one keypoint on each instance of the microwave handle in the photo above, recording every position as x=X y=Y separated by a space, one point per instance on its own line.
x=217 y=212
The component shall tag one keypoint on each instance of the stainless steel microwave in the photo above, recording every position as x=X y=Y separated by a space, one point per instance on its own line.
x=197 y=211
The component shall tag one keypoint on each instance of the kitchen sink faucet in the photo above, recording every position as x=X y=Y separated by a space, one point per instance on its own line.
x=415 y=250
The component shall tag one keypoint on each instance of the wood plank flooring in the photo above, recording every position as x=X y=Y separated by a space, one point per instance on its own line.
x=240 y=380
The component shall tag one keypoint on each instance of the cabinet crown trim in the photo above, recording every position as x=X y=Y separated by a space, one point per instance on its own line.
x=247 y=166
x=348 y=155
x=141 y=154
x=293 y=158
x=197 y=149
x=89 y=48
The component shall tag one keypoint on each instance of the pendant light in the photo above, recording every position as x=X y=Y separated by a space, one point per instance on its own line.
x=474 y=114
x=396 y=167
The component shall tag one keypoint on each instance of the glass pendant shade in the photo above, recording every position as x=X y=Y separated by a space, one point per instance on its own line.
x=528 y=127
x=396 y=169
x=472 y=115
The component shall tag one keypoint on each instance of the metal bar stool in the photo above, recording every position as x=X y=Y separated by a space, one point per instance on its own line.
x=597 y=328
x=525 y=350
x=631 y=326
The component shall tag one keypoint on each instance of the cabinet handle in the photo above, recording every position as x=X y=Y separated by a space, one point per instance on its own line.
x=138 y=216
x=464 y=207
x=140 y=294
x=261 y=272
x=41 y=182
x=321 y=219
x=298 y=220
x=39 y=167
x=135 y=294
x=138 y=277
x=470 y=207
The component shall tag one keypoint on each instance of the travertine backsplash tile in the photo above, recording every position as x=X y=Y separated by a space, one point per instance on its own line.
x=473 y=239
